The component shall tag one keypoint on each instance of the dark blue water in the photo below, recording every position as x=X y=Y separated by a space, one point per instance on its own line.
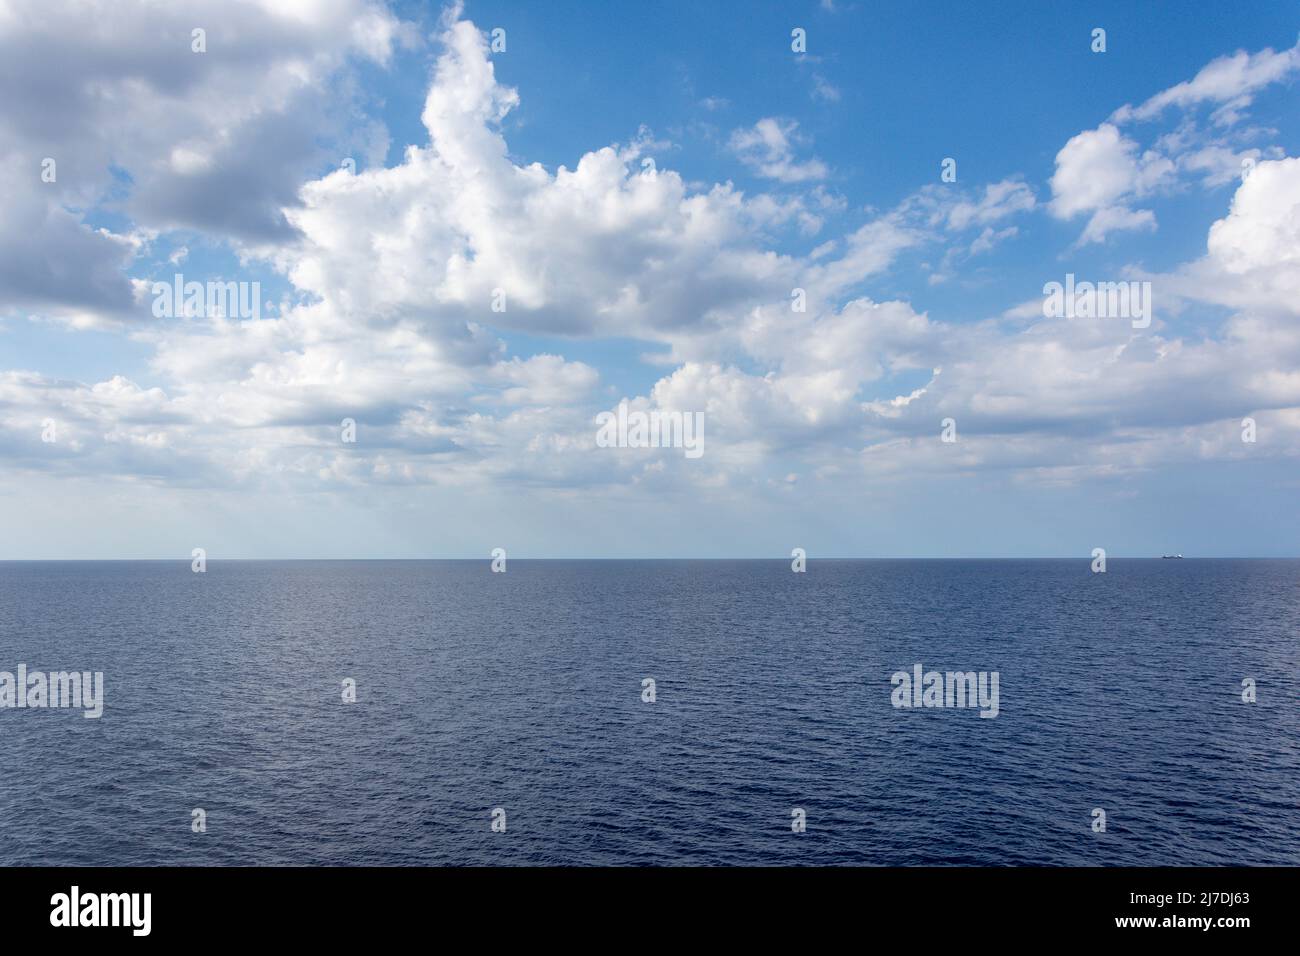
x=523 y=691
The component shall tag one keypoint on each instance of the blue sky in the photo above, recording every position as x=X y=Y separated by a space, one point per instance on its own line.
x=646 y=185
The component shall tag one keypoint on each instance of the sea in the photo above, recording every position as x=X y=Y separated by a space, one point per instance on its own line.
x=671 y=712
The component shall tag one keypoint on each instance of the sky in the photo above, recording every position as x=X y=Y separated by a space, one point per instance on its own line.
x=827 y=231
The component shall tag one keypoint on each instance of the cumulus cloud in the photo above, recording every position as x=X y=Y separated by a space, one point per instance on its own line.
x=51 y=261
x=1252 y=262
x=409 y=283
x=1098 y=172
x=1103 y=172
x=1262 y=231
x=139 y=123
x=1083 y=397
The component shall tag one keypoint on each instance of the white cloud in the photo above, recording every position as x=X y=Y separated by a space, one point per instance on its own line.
x=546 y=380
x=1116 y=219
x=1262 y=231
x=216 y=141
x=1097 y=172
x=1252 y=264
x=768 y=149
x=1103 y=172
x=1230 y=82
x=1219 y=164
x=824 y=90
x=989 y=238
x=999 y=201
x=394 y=270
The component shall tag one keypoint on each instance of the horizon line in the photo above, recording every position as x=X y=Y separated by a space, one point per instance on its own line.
x=488 y=558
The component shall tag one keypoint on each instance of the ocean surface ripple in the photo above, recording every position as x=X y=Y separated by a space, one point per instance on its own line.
x=522 y=690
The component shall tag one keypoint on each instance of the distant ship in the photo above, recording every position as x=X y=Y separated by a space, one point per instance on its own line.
x=1167 y=556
